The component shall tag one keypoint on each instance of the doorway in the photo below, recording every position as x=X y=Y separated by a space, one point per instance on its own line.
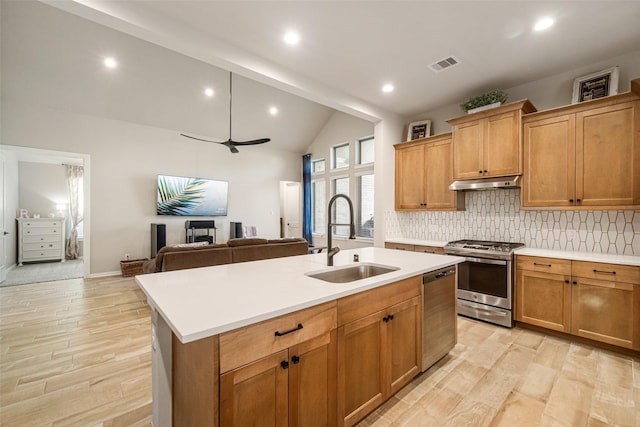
x=291 y=208
x=12 y=160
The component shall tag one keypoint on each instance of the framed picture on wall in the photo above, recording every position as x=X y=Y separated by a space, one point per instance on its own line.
x=595 y=85
x=418 y=130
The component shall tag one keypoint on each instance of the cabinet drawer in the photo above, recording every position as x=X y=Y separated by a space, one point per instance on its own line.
x=399 y=246
x=609 y=272
x=41 y=224
x=244 y=345
x=365 y=303
x=50 y=231
x=429 y=249
x=41 y=245
x=42 y=254
x=547 y=265
x=45 y=238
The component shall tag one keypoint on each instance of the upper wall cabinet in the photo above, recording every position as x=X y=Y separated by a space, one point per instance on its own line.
x=488 y=143
x=423 y=175
x=584 y=155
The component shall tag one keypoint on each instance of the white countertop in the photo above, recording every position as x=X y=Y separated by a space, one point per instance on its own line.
x=200 y=302
x=581 y=256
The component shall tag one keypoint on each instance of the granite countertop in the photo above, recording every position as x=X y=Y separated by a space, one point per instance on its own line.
x=201 y=302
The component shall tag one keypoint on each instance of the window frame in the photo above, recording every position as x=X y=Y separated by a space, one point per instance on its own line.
x=334 y=167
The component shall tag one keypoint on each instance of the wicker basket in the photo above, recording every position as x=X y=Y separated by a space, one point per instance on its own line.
x=132 y=267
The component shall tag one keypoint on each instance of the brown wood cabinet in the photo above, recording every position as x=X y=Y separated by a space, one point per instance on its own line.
x=592 y=300
x=583 y=156
x=423 y=175
x=379 y=348
x=415 y=248
x=488 y=143
x=294 y=387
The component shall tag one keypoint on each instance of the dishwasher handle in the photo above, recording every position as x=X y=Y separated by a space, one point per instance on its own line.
x=438 y=274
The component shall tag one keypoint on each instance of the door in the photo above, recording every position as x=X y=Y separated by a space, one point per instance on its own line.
x=549 y=167
x=403 y=341
x=410 y=177
x=543 y=299
x=439 y=176
x=467 y=150
x=256 y=394
x=292 y=207
x=3 y=231
x=502 y=152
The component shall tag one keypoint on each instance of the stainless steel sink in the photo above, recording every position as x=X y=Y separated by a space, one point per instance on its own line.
x=352 y=273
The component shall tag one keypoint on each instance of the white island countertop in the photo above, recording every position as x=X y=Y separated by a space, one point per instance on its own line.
x=200 y=302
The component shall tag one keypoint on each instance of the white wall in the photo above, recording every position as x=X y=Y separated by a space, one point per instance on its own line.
x=550 y=92
x=41 y=186
x=125 y=161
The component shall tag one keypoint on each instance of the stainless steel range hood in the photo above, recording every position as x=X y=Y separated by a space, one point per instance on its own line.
x=486 y=183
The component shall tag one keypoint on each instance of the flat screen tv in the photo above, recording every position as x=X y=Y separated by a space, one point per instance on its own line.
x=182 y=196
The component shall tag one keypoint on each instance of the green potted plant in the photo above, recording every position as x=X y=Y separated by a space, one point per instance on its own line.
x=485 y=101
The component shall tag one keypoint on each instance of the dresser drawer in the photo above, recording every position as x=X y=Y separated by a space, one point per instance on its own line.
x=42 y=245
x=42 y=231
x=245 y=345
x=43 y=238
x=545 y=265
x=29 y=255
x=603 y=271
x=42 y=224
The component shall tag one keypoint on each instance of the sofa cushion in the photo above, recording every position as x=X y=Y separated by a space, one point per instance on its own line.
x=270 y=250
x=161 y=253
x=246 y=242
x=208 y=256
x=286 y=240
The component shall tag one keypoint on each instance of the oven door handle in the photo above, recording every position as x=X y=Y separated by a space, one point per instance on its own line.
x=486 y=261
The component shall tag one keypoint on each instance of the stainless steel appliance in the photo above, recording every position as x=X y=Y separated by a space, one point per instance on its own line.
x=485 y=279
x=439 y=331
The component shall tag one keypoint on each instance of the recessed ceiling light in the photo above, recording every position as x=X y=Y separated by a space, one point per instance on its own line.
x=388 y=88
x=291 y=37
x=543 y=24
x=209 y=92
x=110 y=62
x=273 y=111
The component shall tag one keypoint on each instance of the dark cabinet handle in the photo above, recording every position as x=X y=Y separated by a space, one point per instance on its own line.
x=578 y=200
x=485 y=171
x=297 y=328
x=387 y=318
x=570 y=200
x=574 y=282
x=566 y=281
x=295 y=359
x=541 y=264
x=284 y=364
x=604 y=271
x=480 y=172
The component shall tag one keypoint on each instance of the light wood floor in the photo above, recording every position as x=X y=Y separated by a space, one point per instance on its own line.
x=77 y=352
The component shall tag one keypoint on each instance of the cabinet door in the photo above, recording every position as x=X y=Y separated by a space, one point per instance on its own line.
x=402 y=341
x=256 y=394
x=467 y=150
x=502 y=153
x=360 y=359
x=543 y=299
x=410 y=177
x=549 y=165
x=312 y=382
x=438 y=176
x=608 y=155
x=606 y=311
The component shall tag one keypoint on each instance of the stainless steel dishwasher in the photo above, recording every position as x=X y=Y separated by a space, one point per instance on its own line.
x=439 y=327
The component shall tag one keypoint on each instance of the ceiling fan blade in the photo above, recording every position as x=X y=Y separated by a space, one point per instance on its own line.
x=200 y=139
x=252 y=142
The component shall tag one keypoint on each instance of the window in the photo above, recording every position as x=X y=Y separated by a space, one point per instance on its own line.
x=366 y=150
x=317 y=166
x=341 y=206
x=340 y=156
x=364 y=220
x=318 y=206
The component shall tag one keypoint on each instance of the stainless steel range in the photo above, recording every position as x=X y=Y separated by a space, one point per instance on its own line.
x=485 y=279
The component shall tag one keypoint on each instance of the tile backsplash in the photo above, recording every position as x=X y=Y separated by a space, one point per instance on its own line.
x=496 y=215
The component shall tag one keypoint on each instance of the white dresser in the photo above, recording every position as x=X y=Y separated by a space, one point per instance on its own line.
x=40 y=239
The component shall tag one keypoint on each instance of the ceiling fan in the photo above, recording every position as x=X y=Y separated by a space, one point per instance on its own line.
x=230 y=143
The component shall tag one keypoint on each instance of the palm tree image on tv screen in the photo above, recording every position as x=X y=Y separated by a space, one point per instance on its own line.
x=183 y=196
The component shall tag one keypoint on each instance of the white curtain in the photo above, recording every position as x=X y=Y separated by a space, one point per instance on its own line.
x=74 y=178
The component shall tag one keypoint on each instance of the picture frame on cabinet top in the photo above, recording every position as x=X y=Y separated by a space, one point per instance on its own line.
x=419 y=129
x=596 y=85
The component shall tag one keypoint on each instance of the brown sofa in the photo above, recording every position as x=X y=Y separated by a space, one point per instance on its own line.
x=172 y=258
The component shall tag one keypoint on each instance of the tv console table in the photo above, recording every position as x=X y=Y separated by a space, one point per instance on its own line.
x=190 y=233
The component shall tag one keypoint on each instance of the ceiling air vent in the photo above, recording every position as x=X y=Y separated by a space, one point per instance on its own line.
x=444 y=64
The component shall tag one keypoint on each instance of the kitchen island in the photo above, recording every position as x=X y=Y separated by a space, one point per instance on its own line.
x=211 y=314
